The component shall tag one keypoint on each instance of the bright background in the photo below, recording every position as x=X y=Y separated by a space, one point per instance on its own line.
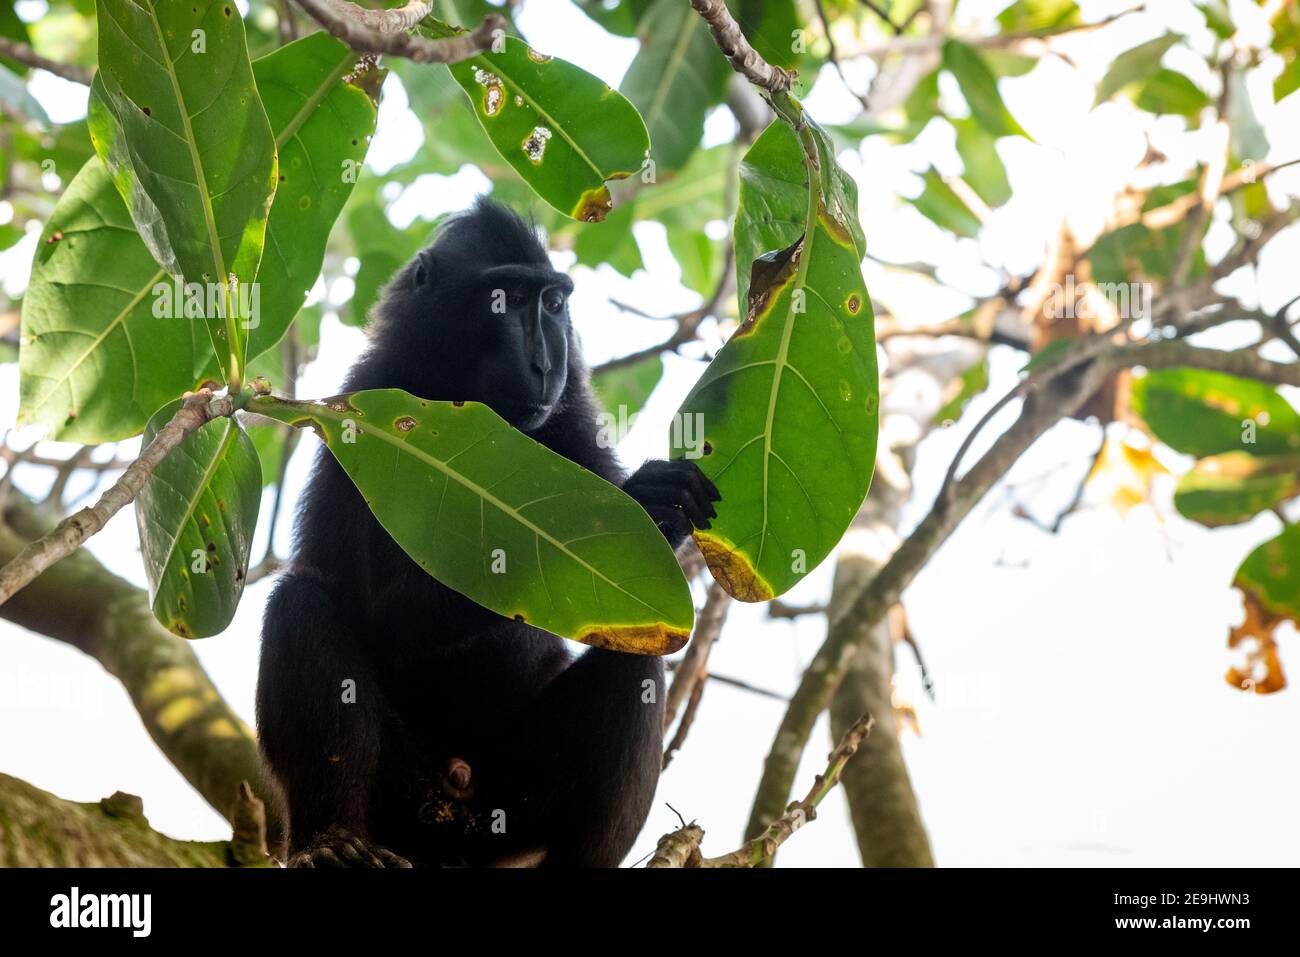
x=1081 y=716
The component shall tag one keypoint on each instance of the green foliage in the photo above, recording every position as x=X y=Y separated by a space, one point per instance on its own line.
x=943 y=207
x=498 y=517
x=1271 y=574
x=176 y=117
x=980 y=88
x=674 y=80
x=787 y=411
x=322 y=129
x=563 y=130
x=95 y=361
x=1134 y=65
x=623 y=390
x=1236 y=486
x=196 y=515
x=1202 y=413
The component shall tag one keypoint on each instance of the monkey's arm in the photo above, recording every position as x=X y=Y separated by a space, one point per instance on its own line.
x=677 y=495
x=319 y=722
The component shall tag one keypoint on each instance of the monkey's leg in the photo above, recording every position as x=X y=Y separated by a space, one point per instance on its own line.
x=585 y=758
x=320 y=724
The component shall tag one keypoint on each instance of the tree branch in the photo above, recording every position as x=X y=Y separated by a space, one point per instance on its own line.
x=853 y=627
x=681 y=848
x=382 y=31
x=198 y=409
x=42 y=830
x=82 y=604
x=745 y=60
x=22 y=53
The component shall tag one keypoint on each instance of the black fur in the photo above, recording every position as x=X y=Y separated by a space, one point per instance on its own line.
x=568 y=749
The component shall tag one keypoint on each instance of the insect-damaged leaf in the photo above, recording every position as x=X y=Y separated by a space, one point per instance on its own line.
x=504 y=520
x=784 y=419
x=94 y=361
x=175 y=115
x=196 y=517
x=563 y=130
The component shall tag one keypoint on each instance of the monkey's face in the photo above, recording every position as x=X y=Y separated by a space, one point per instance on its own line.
x=524 y=342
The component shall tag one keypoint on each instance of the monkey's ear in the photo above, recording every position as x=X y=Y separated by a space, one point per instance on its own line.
x=423 y=270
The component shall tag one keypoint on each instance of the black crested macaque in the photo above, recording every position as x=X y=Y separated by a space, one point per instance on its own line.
x=467 y=739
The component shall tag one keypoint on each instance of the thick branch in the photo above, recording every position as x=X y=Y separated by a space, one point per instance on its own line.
x=381 y=31
x=22 y=53
x=38 y=829
x=744 y=58
x=847 y=633
x=81 y=603
x=198 y=409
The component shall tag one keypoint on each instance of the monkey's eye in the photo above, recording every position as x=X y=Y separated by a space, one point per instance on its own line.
x=553 y=301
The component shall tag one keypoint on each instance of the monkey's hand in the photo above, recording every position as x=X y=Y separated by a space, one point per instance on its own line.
x=338 y=847
x=677 y=495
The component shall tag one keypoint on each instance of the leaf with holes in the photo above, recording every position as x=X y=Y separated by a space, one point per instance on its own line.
x=323 y=124
x=675 y=78
x=504 y=520
x=196 y=515
x=176 y=116
x=784 y=419
x=95 y=361
x=562 y=129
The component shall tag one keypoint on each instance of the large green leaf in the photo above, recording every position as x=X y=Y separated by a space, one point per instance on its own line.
x=1207 y=413
x=95 y=361
x=562 y=129
x=504 y=520
x=787 y=412
x=176 y=116
x=674 y=79
x=980 y=88
x=323 y=124
x=196 y=517
x=1236 y=486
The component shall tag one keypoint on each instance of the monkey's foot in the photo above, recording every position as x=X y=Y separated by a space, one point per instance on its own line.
x=338 y=847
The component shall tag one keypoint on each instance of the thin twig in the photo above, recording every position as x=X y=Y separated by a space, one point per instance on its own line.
x=197 y=410
x=688 y=323
x=681 y=848
x=22 y=53
x=381 y=31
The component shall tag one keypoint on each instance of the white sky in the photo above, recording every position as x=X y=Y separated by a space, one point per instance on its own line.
x=1081 y=714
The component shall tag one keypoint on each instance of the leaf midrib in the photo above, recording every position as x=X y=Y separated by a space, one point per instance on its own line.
x=485 y=495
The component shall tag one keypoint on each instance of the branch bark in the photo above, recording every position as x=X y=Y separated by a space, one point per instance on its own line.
x=81 y=603
x=38 y=829
x=745 y=60
x=197 y=410
x=22 y=53
x=382 y=31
